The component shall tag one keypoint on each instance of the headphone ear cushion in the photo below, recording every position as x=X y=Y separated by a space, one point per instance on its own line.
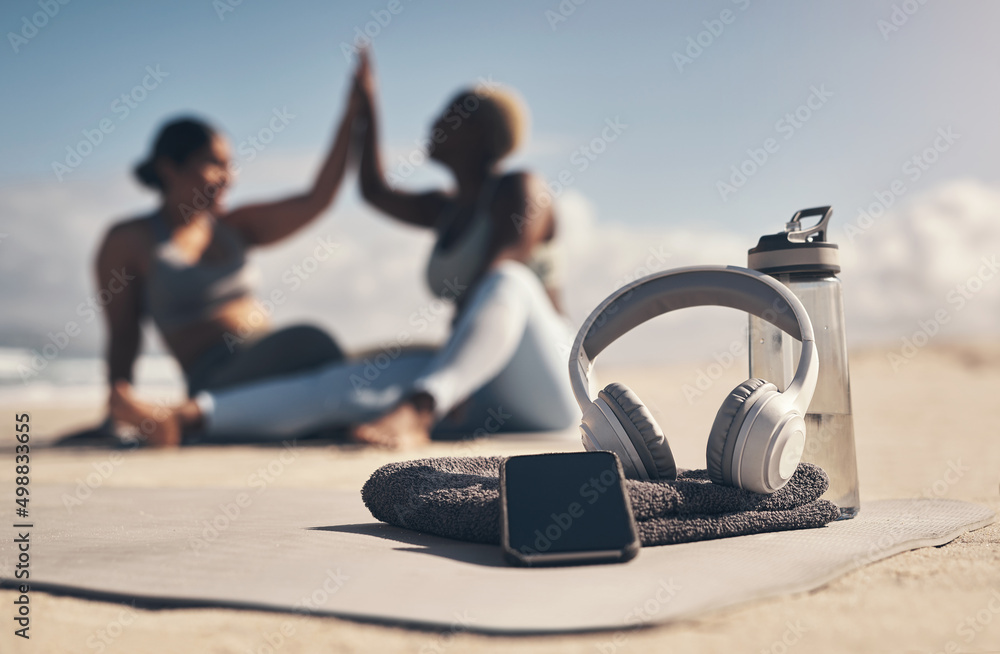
x=642 y=430
x=721 y=442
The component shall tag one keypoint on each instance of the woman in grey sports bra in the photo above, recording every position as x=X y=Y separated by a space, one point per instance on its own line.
x=502 y=368
x=186 y=266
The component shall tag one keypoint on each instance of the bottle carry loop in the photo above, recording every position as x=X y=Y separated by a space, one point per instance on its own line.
x=798 y=235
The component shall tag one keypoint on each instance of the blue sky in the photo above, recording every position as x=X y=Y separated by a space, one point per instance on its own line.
x=839 y=96
x=889 y=92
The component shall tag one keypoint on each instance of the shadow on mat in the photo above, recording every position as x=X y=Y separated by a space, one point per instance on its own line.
x=475 y=553
x=103 y=437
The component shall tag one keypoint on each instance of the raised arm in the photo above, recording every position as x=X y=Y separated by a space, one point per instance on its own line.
x=269 y=222
x=118 y=273
x=419 y=209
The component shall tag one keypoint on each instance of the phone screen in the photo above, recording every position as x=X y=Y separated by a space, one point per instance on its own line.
x=563 y=504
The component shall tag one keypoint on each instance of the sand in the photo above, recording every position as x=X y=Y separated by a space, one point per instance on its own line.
x=929 y=429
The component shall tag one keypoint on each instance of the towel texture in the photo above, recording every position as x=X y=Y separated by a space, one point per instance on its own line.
x=459 y=497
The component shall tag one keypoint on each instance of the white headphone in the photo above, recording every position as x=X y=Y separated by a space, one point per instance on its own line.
x=759 y=433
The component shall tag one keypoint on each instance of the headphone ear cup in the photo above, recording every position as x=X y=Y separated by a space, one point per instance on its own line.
x=726 y=428
x=642 y=430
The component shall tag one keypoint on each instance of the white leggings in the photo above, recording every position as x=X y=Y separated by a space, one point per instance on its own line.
x=507 y=359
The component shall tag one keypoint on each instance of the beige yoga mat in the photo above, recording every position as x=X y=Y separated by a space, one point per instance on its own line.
x=321 y=552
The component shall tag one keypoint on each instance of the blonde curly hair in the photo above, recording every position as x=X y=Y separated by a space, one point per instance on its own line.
x=501 y=117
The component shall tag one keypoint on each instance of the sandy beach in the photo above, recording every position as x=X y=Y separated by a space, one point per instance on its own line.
x=206 y=195
x=927 y=430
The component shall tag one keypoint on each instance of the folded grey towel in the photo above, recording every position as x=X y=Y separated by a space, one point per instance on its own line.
x=459 y=497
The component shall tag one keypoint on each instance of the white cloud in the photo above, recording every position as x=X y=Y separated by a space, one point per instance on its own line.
x=914 y=261
x=895 y=273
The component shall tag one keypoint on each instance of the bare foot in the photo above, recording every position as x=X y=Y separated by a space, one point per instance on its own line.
x=160 y=426
x=405 y=427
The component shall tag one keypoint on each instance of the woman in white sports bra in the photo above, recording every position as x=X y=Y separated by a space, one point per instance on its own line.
x=503 y=368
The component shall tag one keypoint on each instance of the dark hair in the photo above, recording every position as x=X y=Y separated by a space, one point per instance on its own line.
x=177 y=141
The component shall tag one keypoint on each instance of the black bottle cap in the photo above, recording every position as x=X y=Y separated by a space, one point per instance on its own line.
x=797 y=250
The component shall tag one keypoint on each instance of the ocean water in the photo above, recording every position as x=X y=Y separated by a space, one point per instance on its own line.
x=29 y=377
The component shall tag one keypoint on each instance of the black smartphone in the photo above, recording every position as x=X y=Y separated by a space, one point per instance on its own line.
x=558 y=509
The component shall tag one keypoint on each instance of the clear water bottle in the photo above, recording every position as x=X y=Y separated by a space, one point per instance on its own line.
x=803 y=260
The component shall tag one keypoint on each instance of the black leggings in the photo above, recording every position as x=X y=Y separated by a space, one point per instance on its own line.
x=286 y=351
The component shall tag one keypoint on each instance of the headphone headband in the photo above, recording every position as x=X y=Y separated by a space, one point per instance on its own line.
x=727 y=286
